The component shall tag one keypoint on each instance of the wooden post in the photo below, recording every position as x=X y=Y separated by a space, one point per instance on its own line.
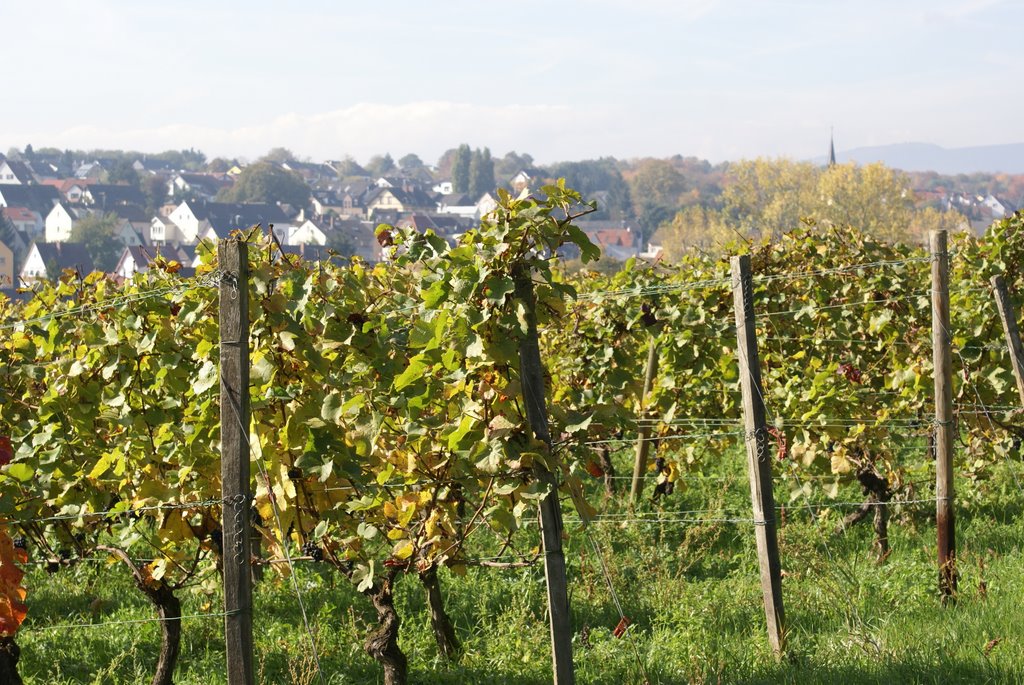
x=234 y=469
x=531 y=375
x=758 y=454
x=942 y=356
x=643 y=443
x=1011 y=331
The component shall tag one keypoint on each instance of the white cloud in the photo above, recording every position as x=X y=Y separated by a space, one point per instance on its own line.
x=427 y=128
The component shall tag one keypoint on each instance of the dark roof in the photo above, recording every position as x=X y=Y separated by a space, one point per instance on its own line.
x=132 y=213
x=359 y=188
x=40 y=198
x=206 y=182
x=106 y=195
x=65 y=256
x=458 y=200
x=225 y=217
x=310 y=168
x=153 y=164
x=21 y=171
x=44 y=169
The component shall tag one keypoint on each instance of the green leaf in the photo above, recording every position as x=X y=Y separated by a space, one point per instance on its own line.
x=21 y=471
x=414 y=372
x=207 y=378
x=332 y=407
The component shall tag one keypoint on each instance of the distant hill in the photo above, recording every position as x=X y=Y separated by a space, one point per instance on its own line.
x=1008 y=158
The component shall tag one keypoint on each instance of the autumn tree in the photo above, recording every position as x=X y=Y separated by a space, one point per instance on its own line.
x=695 y=229
x=873 y=198
x=769 y=196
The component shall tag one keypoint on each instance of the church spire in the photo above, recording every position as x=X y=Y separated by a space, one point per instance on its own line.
x=832 y=148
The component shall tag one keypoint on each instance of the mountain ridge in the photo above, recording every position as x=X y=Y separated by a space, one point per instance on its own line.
x=1001 y=158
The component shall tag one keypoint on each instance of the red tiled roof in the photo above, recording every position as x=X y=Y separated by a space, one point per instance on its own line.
x=19 y=214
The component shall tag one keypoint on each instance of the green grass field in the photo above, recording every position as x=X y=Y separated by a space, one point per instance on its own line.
x=691 y=591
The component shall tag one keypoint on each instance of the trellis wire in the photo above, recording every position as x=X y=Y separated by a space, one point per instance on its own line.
x=206 y=280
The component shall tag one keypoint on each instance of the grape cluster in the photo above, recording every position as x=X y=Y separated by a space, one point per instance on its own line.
x=851 y=372
x=20 y=542
x=312 y=550
x=295 y=473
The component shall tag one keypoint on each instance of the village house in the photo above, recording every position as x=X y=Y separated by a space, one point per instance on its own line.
x=16 y=173
x=458 y=204
x=71 y=189
x=198 y=220
x=6 y=266
x=526 y=179
x=38 y=198
x=137 y=258
x=25 y=221
x=46 y=261
x=398 y=200
x=200 y=186
x=107 y=196
x=60 y=222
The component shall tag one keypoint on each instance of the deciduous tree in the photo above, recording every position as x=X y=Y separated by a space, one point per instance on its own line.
x=266 y=182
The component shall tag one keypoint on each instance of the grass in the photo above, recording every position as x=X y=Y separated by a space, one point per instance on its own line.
x=690 y=590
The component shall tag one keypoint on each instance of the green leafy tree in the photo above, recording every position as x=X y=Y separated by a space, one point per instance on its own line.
x=379 y=165
x=656 y=188
x=96 y=232
x=481 y=173
x=460 y=169
x=512 y=162
x=349 y=168
x=266 y=182
x=155 y=190
x=278 y=154
x=122 y=171
x=598 y=176
x=219 y=165
x=410 y=162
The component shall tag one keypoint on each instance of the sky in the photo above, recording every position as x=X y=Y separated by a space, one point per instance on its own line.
x=561 y=80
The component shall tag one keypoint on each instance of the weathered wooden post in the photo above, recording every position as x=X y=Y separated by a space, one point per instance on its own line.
x=942 y=356
x=643 y=443
x=758 y=454
x=234 y=428
x=531 y=375
x=1011 y=331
